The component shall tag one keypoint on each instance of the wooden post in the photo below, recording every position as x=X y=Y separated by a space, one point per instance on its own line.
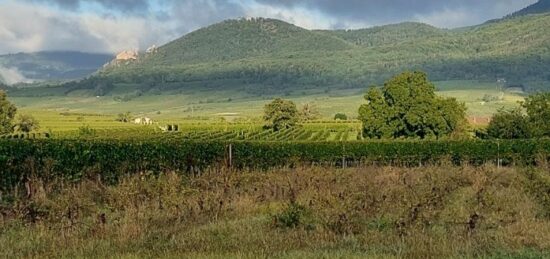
x=498 y=155
x=230 y=155
x=343 y=156
x=343 y=162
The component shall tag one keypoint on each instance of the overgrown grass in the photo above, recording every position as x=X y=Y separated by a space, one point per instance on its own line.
x=376 y=212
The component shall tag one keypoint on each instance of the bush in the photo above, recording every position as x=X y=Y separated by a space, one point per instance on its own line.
x=26 y=123
x=292 y=217
x=86 y=131
x=124 y=117
x=341 y=116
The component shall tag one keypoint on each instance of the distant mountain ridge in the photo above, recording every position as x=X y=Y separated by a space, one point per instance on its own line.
x=542 y=6
x=267 y=55
x=50 y=65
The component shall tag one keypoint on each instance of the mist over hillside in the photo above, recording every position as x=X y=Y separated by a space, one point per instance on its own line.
x=44 y=66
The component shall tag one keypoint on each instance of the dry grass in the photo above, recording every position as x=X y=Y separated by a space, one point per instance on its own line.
x=377 y=212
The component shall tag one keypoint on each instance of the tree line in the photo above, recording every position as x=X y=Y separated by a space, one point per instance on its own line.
x=407 y=107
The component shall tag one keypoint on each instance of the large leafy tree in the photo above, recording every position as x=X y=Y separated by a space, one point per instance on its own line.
x=538 y=113
x=509 y=124
x=281 y=114
x=532 y=119
x=407 y=107
x=7 y=113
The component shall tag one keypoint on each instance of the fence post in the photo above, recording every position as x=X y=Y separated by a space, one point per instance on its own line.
x=230 y=155
x=343 y=156
x=498 y=155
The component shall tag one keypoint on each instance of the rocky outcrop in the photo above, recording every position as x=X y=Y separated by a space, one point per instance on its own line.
x=127 y=55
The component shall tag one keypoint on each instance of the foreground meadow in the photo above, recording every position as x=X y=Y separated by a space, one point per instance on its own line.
x=309 y=212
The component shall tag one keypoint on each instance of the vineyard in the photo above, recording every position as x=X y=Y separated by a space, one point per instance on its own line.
x=337 y=132
x=73 y=159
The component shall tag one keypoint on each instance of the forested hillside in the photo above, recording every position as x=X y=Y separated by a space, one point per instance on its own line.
x=275 y=55
x=542 y=6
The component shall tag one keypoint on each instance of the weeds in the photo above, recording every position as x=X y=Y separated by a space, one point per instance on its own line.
x=428 y=212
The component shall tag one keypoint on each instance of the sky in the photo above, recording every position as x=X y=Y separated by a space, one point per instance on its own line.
x=110 y=26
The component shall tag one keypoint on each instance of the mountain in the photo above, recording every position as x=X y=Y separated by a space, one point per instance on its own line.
x=263 y=56
x=542 y=6
x=58 y=65
x=244 y=39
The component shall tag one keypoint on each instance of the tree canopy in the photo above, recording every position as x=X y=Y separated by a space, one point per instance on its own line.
x=280 y=56
x=509 y=124
x=7 y=113
x=531 y=120
x=281 y=114
x=537 y=107
x=407 y=107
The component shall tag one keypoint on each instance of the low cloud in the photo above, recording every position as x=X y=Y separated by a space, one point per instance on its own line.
x=12 y=76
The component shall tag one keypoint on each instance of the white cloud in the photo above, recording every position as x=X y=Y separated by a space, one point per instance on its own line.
x=449 y=18
x=27 y=28
x=12 y=75
x=302 y=17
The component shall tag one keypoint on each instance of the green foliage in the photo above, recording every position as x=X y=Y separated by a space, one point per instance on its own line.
x=509 y=124
x=280 y=114
x=26 y=123
x=85 y=131
x=529 y=121
x=341 y=116
x=407 y=107
x=74 y=159
x=7 y=113
x=292 y=217
x=125 y=117
x=279 y=56
x=537 y=107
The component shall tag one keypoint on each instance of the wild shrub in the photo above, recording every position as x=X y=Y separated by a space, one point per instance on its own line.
x=293 y=216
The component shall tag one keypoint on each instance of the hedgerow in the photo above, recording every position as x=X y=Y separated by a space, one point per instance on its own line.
x=73 y=160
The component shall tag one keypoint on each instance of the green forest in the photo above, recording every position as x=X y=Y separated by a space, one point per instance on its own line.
x=276 y=55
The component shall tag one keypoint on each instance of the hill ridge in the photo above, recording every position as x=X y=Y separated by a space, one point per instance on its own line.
x=542 y=6
x=268 y=55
